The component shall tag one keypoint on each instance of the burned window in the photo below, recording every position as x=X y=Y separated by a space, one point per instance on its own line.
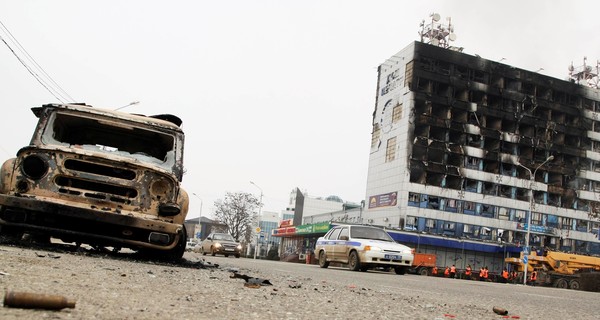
x=390 y=152
x=108 y=136
x=375 y=135
x=397 y=113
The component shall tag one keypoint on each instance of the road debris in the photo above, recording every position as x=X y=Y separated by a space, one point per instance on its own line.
x=201 y=264
x=28 y=300
x=251 y=280
x=500 y=311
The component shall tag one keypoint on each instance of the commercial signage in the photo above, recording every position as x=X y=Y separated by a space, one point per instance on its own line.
x=535 y=228
x=383 y=200
x=321 y=227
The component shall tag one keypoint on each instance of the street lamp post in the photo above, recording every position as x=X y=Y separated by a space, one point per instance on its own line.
x=259 y=212
x=531 y=182
x=200 y=215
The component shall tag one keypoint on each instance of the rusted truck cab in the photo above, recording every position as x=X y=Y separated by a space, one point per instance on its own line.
x=100 y=177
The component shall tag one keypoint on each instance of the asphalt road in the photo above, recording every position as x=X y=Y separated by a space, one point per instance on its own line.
x=107 y=286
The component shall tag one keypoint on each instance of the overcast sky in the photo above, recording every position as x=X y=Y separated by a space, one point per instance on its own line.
x=275 y=92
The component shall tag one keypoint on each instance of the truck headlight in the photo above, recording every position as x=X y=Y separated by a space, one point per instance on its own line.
x=34 y=167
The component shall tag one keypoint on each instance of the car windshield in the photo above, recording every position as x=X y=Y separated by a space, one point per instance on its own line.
x=223 y=236
x=370 y=233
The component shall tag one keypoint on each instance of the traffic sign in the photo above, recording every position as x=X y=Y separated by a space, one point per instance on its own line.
x=526 y=250
x=525 y=259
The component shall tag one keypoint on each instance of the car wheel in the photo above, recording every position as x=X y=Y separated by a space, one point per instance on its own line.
x=400 y=270
x=354 y=261
x=226 y=255
x=237 y=255
x=213 y=252
x=323 y=263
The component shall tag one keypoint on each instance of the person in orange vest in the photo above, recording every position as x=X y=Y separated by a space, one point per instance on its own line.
x=434 y=271
x=481 y=274
x=468 y=272
x=505 y=276
x=533 y=277
x=485 y=273
x=514 y=276
x=453 y=272
x=447 y=272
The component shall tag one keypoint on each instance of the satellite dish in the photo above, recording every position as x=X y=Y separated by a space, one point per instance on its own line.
x=452 y=37
x=435 y=42
x=436 y=17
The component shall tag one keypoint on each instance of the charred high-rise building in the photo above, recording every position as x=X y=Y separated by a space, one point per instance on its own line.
x=459 y=142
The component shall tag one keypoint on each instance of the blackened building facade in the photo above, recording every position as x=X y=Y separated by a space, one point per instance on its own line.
x=457 y=138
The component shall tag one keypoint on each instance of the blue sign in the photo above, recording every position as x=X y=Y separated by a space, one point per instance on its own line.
x=526 y=250
x=198 y=234
x=525 y=260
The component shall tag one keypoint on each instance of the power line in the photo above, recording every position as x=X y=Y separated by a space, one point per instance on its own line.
x=51 y=86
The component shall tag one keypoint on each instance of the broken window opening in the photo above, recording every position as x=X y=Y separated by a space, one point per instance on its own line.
x=108 y=136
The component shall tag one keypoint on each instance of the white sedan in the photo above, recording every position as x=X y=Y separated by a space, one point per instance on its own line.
x=363 y=247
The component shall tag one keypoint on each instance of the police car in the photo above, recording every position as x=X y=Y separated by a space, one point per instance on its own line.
x=362 y=248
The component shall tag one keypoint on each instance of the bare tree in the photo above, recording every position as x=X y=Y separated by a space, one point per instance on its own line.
x=238 y=212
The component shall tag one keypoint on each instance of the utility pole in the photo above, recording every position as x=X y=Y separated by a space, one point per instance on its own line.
x=258 y=222
x=531 y=182
x=199 y=216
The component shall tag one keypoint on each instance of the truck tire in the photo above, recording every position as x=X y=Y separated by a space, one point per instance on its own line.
x=424 y=271
x=400 y=270
x=562 y=283
x=574 y=284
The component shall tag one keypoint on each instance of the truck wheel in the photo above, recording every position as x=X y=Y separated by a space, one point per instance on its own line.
x=354 y=261
x=424 y=271
x=323 y=263
x=562 y=283
x=574 y=284
x=11 y=233
x=172 y=255
x=400 y=270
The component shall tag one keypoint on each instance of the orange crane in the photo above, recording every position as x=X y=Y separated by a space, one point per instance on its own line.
x=558 y=269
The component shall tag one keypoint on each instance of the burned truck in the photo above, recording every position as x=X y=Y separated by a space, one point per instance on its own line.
x=100 y=177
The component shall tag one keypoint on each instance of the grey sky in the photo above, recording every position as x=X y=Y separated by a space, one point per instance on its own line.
x=276 y=92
